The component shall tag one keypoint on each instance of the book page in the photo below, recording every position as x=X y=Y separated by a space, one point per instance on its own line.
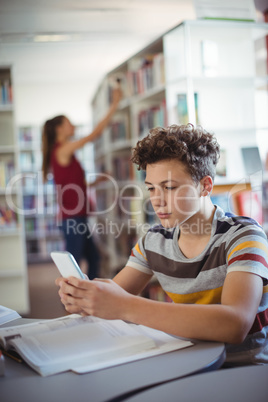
x=7 y=315
x=9 y=333
x=84 y=344
x=164 y=343
x=88 y=341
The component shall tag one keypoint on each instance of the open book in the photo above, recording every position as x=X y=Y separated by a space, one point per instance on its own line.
x=84 y=344
x=6 y=315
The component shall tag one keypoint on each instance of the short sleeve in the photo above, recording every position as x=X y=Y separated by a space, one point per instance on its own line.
x=249 y=253
x=138 y=258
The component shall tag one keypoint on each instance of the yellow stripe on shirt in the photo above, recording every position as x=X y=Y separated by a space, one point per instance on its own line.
x=137 y=248
x=212 y=296
x=252 y=244
x=265 y=289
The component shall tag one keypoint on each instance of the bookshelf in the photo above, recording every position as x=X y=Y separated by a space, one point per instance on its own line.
x=120 y=215
x=39 y=200
x=13 y=269
x=42 y=235
x=212 y=73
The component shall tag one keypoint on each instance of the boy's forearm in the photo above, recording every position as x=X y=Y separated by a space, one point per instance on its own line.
x=207 y=322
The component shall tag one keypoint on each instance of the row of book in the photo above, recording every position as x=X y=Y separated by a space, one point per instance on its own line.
x=145 y=73
x=155 y=116
x=243 y=203
x=7 y=171
x=123 y=168
x=43 y=248
x=28 y=136
x=118 y=131
x=40 y=204
x=27 y=162
x=8 y=218
x=6 y=96
x=35 y=225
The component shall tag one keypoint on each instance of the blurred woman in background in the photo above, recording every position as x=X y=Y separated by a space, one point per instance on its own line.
x=69 y=177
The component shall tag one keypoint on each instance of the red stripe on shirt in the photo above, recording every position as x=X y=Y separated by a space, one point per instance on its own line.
x=248 y=256
x=260 y=321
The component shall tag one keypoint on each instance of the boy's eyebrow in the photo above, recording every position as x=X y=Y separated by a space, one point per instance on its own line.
x=162 y=182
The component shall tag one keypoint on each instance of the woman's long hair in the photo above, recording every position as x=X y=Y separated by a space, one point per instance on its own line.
x=48 y=142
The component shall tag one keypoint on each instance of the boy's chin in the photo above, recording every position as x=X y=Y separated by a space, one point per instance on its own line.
x=171 y=223
x=168 y=223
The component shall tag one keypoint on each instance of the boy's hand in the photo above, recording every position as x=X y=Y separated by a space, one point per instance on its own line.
x=101 y=297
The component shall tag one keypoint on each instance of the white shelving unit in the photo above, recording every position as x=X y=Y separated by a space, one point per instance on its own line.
x=42 y=231
x=13 y=269
x=212 y=73
x=42 y=235
x=120 y=201
x=217 y=61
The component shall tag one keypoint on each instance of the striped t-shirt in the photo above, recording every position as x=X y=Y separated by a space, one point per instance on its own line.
x=237 y=244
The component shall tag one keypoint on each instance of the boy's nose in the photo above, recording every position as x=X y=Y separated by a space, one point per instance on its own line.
x=159 y=198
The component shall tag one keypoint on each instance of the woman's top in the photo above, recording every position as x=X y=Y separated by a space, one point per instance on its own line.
x=71 y=187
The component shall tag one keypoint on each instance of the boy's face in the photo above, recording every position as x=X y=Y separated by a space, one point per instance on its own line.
x=174 y=195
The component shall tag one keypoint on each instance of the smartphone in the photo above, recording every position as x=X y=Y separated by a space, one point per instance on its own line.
x=66 y=264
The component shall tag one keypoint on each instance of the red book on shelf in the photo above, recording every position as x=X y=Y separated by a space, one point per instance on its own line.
x=249 y=204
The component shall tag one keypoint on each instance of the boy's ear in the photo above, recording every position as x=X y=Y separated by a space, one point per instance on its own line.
x=206 y=186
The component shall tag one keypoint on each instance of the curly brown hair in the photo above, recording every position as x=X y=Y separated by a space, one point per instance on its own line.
x=197 y=149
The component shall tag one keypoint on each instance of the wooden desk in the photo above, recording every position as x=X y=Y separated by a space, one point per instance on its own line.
x=22 y=383
x=243 y=384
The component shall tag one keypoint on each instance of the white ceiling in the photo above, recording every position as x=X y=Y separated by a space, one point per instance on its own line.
x=97 y=35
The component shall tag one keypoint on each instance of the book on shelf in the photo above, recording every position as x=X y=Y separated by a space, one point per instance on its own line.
x=7 y=170
x=29 y=202
x=25 y=136
x=32 y=247
x=154 y=116
x=84 y=344
x=6 y=96
x=145 y=73
x=8 y=218
x=224 y=200
x=249 y=204
x=54 y=245
x=123 y=168
x=26 y=161
x=139 y=174
x=182 y=108
x=118 y=131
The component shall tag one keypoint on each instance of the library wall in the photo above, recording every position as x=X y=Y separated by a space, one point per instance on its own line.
x=41 y=101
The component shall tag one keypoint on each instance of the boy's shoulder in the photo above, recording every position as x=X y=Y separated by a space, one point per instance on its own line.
x=228 y=220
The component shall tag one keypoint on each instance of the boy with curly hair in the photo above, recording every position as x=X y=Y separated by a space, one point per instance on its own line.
x=213 y=265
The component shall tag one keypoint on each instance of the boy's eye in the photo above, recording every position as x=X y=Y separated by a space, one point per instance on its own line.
x=170 y=188
x=150 y=188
